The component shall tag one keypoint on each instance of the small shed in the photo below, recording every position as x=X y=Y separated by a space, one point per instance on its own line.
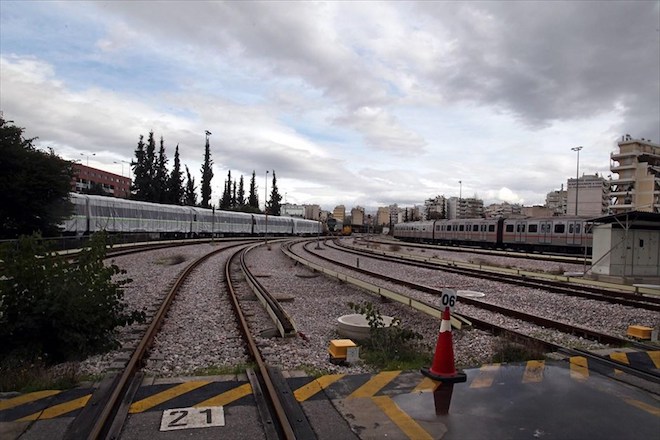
x=626 y=248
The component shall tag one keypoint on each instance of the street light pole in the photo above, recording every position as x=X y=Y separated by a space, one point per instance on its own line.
x=266 y=208
x=577 y=177
x=83 y=154
x=460 y=197
x=122 y=167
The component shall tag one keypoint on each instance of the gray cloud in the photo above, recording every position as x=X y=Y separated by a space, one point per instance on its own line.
x=548 y=61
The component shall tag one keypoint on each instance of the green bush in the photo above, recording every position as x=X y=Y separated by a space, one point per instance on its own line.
x=54 y=310
x=392 y=347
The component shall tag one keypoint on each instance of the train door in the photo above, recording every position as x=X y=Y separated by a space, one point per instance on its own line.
x=574 y=235
x=545 y=232
x=521 y=231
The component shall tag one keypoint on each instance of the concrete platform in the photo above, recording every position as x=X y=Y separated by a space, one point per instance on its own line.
x=544 y=400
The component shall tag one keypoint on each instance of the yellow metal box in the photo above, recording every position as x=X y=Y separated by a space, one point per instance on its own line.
x=338 y=347
x=639 y=331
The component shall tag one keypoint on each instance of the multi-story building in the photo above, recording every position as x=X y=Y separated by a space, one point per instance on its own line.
x=85 y=178
x=357 y=216
x=555 y=201
x=590 y=192
x=395 y=214
x=339 y=213
x=312 y=212
x=383 y=216
x=292 y=210
x=503 y=209
x=638 y=185
x=465 y=208
x=537 y=211
x=435 y=208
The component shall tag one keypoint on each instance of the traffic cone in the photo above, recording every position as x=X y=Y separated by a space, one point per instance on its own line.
x=443 y=368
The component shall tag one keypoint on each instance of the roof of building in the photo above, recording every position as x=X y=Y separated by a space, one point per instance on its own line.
x=639 y=218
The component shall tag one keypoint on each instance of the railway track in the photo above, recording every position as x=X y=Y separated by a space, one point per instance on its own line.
x=613 y=293
x=107 y=409
x=556 y=258
x=429 y=307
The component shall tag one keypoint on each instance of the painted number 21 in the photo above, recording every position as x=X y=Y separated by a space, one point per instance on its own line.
x=189 y=418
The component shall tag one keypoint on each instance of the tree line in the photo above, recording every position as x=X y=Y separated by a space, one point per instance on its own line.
x=153 y=182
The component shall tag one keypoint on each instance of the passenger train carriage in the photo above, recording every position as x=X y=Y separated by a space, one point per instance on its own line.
x=99 y=213
x=561 y=234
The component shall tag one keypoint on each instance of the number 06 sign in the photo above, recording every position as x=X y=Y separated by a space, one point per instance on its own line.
x=448 y=299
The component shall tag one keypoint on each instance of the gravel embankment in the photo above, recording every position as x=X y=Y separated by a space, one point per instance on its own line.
x=606 y=317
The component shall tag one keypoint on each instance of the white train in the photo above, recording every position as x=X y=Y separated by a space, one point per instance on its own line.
x=111 y=214
x=561 y=234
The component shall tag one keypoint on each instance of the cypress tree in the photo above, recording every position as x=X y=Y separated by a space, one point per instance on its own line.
x=161 y=177
x=190 y=195
x=274 y=204
x=253 y=199
x=234 y=205
x=175 y=182
x=240 y=195
x=139 y=184
x=207 y=175
x=150 y=167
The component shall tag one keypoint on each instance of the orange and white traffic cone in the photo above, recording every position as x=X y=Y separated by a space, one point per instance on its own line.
x=443 y=368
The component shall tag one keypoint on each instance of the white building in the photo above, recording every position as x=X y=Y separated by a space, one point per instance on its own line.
x=638 y=184
x=591 y=192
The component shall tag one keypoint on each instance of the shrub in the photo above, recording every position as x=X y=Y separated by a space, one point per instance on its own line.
x=54 y=310
x=392 y=347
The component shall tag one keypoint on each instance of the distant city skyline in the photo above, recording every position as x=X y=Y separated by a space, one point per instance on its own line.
x=353 y=103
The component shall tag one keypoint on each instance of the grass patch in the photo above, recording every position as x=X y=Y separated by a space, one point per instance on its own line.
x=409 y=359
x=23 y=376
x=219 y=370
x=509 y=351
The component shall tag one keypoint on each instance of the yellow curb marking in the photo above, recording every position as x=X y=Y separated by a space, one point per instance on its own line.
x=644 y=406
x=374 y=384
x=170 y=393
x=26 y=398
x=655 y=357
x=57 y=410
x=401 y=419
x=227 y=397
x=305 y=392
x=534 y=372
x=579 y=368
x=427 y=384
x=486 y=376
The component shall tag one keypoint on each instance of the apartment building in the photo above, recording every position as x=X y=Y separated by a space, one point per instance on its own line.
x=556 y=201
x=637 y=187
x=84 y=178
x=339 y=213
x=591 y=193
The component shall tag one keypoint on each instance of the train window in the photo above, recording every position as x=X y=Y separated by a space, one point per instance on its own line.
x=570 y=228
x=491 y=228
x=461 y=228
x=533 y=228
x=509 y=228
x=560 y=228
x=577 y=228
x=475 y=228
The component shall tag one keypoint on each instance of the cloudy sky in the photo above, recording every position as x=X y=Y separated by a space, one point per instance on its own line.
x=354 y=103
